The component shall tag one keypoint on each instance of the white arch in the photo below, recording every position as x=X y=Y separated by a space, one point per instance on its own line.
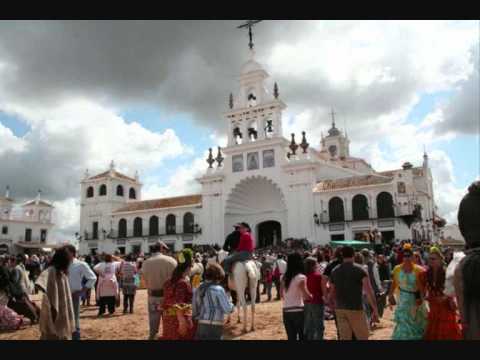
x=241 y=189
x=255 y=199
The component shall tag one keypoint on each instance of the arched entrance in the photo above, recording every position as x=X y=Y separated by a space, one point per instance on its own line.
x=259 y=202
x=268 y=233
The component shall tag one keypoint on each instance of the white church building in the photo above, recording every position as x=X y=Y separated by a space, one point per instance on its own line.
x=283 y=188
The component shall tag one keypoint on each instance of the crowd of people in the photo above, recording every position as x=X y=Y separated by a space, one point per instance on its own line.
x=434 y=292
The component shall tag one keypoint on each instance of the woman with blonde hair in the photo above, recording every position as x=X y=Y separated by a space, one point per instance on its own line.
x=410 y=315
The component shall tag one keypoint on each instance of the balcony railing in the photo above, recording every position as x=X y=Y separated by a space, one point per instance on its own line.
x=32 y=239
x=114 y=234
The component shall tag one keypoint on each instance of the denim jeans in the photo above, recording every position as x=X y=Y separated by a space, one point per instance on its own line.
x=294 y=324
x=154 y=315
x=236 y=256
x=209 y=332
x=128 y=301
x=268 y=287
x=76 y=311
x=314 y=325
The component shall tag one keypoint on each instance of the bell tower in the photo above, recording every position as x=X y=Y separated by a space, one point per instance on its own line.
x=335 y=143
x=254 y=113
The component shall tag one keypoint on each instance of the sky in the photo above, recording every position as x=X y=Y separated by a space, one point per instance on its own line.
x=150 y=95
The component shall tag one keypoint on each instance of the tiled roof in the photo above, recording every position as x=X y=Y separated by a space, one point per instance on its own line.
x=161 y=203
x=115 y=174
x=41 y=202
x=353 y=181
x=417 y=171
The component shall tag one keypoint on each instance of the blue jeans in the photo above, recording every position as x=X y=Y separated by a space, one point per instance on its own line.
x=268 y=287
x=314 y=326
x=236 y=256
x=209 y=332
x=76 y=311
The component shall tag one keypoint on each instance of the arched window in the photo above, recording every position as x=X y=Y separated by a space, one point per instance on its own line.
x=137 y=227
x=385 y=205
x=360 y=207
x=122 y=228
x=103 y=190
x=188 y=222
x=335 y=210
x=170 y=223
x=132 y=194
x=119 y=190
x=90 y=192
x=153 y=226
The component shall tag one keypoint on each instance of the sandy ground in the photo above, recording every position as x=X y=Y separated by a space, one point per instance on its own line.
x=268 y=323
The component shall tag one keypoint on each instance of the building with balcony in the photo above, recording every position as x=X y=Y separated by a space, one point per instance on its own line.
x=25 y=228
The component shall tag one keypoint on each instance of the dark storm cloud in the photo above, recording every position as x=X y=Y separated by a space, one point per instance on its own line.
x=187 y=66
x=179 y=66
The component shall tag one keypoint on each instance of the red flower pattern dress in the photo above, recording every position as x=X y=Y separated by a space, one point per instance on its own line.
x=442 y=318
x=178 y=296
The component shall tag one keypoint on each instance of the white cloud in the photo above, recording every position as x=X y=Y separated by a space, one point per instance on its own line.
x=66 y=219
x=182 y=182
x=10 y=142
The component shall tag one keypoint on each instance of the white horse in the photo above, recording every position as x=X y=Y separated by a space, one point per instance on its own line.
x=245 y=273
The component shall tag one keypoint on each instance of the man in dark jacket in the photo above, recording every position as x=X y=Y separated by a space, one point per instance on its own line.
x=232 y=240
x=466 y=279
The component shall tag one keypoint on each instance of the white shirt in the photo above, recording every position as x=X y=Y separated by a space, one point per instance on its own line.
x=222 y=254
x=100 y=267
x=282 y=266
x=449 y=273
x=77 y=271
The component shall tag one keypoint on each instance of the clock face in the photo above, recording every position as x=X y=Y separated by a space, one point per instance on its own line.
x=332 y=149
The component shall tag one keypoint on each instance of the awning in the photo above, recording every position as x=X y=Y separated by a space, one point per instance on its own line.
x=27 y=245
x=353 y=243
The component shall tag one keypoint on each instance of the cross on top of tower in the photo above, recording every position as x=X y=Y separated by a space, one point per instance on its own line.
x=333 y=130
x=333 y=117
x=249 y=24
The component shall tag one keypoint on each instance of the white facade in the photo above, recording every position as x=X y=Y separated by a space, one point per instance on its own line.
x=283 y=188
x=24 y=227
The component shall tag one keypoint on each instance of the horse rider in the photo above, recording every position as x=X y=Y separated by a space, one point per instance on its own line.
x=243 y=251
x=232 y=239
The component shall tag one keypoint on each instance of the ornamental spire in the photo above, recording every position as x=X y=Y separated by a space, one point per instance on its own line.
x=37 y=200
x=275 y=91
x=219 y=157
x=210 y=159
x=304 y=144
x=293 y=146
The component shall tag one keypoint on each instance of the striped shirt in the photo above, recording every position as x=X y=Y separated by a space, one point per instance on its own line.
x=214 y=304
